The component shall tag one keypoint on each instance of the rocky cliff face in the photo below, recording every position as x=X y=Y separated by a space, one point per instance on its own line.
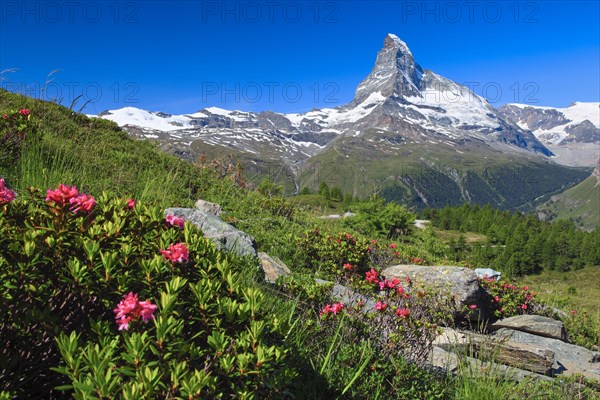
x=578 y=123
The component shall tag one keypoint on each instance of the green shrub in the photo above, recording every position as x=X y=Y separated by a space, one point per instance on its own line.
x=508 y=299
x=376 y=217
x=64 y=271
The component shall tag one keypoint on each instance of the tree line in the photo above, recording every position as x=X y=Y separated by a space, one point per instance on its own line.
x=517 y=243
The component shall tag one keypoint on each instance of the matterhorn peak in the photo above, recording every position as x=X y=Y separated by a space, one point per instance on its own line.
x=395 y=72
x=393 y=41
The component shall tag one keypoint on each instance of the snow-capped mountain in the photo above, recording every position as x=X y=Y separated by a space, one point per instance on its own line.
x=398 y=97
x=578 y=123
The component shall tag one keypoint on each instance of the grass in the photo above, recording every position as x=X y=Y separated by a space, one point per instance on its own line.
x=470 y=237
x=580 y=203
x=578 y=288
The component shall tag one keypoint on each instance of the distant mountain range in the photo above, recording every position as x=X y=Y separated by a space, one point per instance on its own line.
x=410 y=133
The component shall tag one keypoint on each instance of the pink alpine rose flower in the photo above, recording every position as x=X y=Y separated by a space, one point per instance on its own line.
x=380 y=306
x=83 y=202
x=403 y=312
x=131 y=309
x=175 y=221
x=176 y=253
x=63 y=195
x=332 y=309
x=6 y=195
x=372 y=276
x=131 y=204
x=24 y=112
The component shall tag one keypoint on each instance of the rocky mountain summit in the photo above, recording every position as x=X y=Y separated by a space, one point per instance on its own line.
x=398 y=96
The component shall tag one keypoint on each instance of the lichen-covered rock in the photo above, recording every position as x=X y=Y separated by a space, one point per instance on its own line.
x=225 y=236
x=209 y=208
x=273 y=267
x=536 y=324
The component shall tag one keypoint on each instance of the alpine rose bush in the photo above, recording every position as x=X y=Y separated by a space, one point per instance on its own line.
x=69 y=280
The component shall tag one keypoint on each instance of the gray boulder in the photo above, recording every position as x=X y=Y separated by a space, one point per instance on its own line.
x=273 y=267
x=569 y=358
x=209 y=208
x=459 y=283
x=225 y=236
x=536 y=324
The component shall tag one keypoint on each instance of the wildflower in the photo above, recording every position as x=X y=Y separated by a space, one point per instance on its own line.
x=392 y=245
x=24 y=112
x=403 y=312
x=525 y=288
x=131 y=309
x=6 y=195
x=332 y=309
x=380 y=306
x=387 y=284
x=4 y=116
x=175 y=221
x=473 y=306
x=131 y=204
x=63 y=195
x=497 y=299
x=347 y=267
x=372 y=276
x=523 y=306
x=82 y=202
x=400 y=290
x=176 y=253
x=573 y=312
x=407 y=279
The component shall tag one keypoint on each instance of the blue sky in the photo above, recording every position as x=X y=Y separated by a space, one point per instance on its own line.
x=290 y=56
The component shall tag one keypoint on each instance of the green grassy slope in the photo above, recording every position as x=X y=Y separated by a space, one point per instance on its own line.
x=580 y=204
x=435 y=175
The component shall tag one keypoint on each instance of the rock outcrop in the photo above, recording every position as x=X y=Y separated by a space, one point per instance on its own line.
x=535 y=324
x=459 y=283
x=225 y=236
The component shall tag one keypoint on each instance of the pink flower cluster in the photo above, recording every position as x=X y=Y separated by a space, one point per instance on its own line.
x=6 y=195
x=176 y=253
x=175 y=221
x=131 y=309
x=130 y=204
x=24 y=112
x=403 y=312
x=380 y=306
x=387 y=284
x=65 y=195
x=347 y=266
x=332 y=309
x=372 y=276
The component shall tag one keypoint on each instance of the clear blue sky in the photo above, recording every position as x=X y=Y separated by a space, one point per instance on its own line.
x=287 y=56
